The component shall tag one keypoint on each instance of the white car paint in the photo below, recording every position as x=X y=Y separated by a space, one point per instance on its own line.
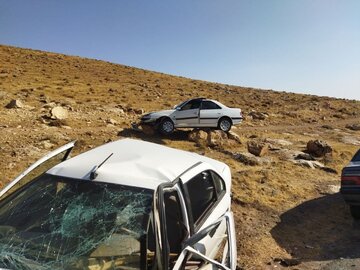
x=198 y=117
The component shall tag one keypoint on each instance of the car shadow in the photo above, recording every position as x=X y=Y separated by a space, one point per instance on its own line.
x=177 y=135
x=319 y=229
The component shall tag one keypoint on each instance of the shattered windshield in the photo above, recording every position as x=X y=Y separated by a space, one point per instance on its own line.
x=62 y=223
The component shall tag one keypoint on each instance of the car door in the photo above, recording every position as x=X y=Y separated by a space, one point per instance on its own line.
x=207 y=200
x=225 y=259
x=39 y=167
x=188 y=114
x=171 y=224
x=210 y=113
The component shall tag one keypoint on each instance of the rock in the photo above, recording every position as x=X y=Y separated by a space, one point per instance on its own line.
x=329 y=170
x=111 y=121
x=258 y=115
x=209 y=137
x=197 y=135
x=15 y=104
x=286 y=154
x=49 y=105
x=327 y=127
x=305 y=163
x=250 y=159
x=46 y=144
x=355 y=127
x=318 y=148
x=59 y=113
x=312 y=164
x=279 y=142
x=216 y=137
x=350 y=140
x=304 y=156
x=139 y=111
x=233 y=136
x=332 y=189
x=258 y=148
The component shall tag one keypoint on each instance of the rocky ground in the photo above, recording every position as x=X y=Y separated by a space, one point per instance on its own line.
x=286 y=157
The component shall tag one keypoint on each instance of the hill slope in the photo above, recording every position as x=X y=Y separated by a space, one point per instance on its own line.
x=282 y=209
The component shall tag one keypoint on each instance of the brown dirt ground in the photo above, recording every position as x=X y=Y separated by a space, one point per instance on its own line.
x=282 y=210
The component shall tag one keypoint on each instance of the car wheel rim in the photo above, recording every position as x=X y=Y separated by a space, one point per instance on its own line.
x=167 y=126
x=225 y=125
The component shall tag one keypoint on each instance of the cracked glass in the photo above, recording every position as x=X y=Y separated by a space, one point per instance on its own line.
x=61 y=223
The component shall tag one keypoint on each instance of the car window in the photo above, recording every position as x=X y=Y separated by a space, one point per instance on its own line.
x=192 y=104
x=356 y=157
x=174 y=221
x=202 y=194
x=219 y=184
x=209 y=105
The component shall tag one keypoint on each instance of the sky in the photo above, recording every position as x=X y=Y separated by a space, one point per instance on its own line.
x=303 y=46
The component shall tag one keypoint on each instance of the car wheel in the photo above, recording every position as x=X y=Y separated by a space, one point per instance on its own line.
x=355 y=211
x=166 y=126
x=225 y=124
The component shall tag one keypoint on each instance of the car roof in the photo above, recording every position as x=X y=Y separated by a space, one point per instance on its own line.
x=206 y=99
x=133 y=162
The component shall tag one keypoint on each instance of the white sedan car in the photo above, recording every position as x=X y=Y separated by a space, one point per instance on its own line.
x=195 y=113
x=128 y=204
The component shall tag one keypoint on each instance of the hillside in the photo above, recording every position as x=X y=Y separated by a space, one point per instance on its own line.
x=283 y=209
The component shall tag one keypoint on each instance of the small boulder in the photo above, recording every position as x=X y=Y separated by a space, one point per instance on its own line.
x=198 y=136
x=304 y=156
x=318 y=148
x=250 y=159
x=46 y=144
x=216 y=137
x=139 y=111
x=355 y=127
x=15 y=104
x=258 y=148
x=111 y=121
x=59 y=113
x=233 y=136
x=258 y=115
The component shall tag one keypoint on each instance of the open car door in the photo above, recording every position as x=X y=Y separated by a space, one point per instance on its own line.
x=225 y=259
x=39 y=167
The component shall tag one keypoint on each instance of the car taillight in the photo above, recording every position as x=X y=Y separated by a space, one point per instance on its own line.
x=350 y=180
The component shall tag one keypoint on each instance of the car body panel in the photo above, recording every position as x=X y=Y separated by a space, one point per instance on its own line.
x=187 y=118
x=198 y=117
x=350 y=183
x=134 y=163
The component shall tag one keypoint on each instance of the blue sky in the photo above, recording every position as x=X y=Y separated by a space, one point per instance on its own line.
x=307 y=46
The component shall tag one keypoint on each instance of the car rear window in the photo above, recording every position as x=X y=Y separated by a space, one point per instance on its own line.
x=357 y=156
x=208 y=105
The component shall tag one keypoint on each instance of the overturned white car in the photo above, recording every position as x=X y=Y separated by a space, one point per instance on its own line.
x=128 y=204
x=194 y=113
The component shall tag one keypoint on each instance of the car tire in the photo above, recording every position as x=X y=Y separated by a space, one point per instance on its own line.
x=166 y=126
x=225 y=124
x=355 y=211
